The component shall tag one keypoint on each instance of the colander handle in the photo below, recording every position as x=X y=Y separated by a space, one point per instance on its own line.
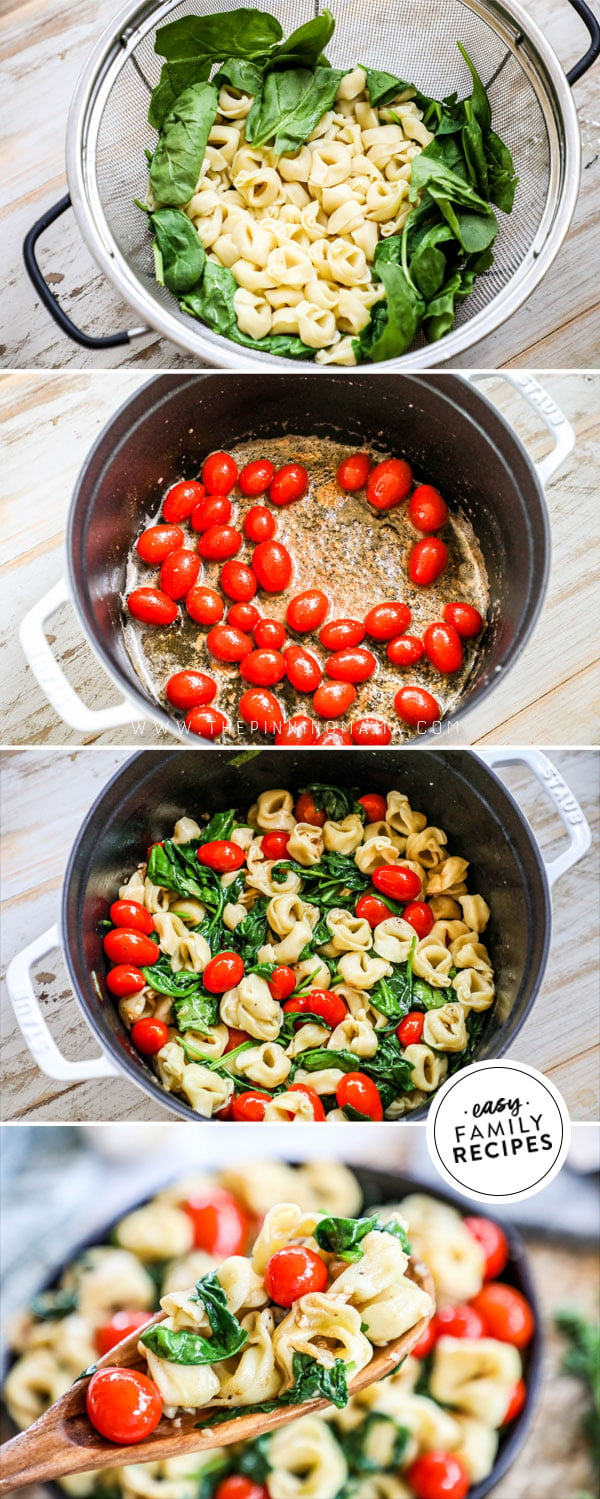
x=593 y=26
x=560 y=794
x=541 y=402
x=51 y=678
x=48 y=298
x=31 y=1021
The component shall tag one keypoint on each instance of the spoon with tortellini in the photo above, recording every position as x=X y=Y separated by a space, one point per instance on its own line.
x=322 y=1307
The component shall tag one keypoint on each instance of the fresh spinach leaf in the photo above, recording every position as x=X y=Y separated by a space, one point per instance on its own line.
x=241 y=74
x=212 y=302
x=177 y=161
x=180 y=249
x=342 y=1236
x=501 y=172
x=235 y=33
x=304 y=47
x=290 y=103
x=394 y=323
x=479 y=100
x=174 y=78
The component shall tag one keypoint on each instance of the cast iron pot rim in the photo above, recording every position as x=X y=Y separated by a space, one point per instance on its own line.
x=147 y=1081
x=518 y=1262
x=154 y=710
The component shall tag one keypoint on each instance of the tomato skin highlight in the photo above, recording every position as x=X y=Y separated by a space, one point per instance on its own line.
x=289 y=484
x=190 y=689
x=223 y=972
x=250 y=1105
x=221 y=854
x=124 y=945
x=306 y=611
x=297 y=730
x=322 y=1002
x=269 y=634
x=237 y=1486
x=124 y=979
x=302 y=668
x=149 y=1036
x=405 y=650
x=305 y=810
x=123 y=1405
x=420 y=916
x=427 y=510
x=371 y=731
x=243 y=616
x=260 y=524
x=219 y=543
x=294 y=1272
x=397 y=881
x=506 y=1314
x=274 y=844
x=221 y=1226
x=130 y=914
x=238 y=582
x=351 y=666
x=410 y=1030
x=375 y=806
x=466 y=620
x=332 y=699
x=255 y=478
x=443 y=647
x=219 y=473
x=121 y=1325
x=516 y=1402
x=459 y=1322
x=272 y=565
x=209 y=723
x=282 y=982
x=156 y=542
x=353 y=472
x=181 y=499
x=384 y=621
x=228 y=644
x=179 y=572
x=389 y=483
x=493 y=1242
x=342 y=634
x=372 y=910
x=259 y=708
x=361 y=1093
x=204 y=605
x=439 y=1475
x=152 y=607
x=335 y=738
x=263 y=668
x=213 y=510
x=417 y=707
x=427 y=561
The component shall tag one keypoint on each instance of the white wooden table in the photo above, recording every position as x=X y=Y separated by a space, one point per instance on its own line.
x=43 y=46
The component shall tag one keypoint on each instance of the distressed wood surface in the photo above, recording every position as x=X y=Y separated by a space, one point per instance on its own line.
x=46 y=796
x=43 y=46
x=550 y=697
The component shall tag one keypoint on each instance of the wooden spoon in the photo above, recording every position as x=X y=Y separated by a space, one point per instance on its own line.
x=63 y=1441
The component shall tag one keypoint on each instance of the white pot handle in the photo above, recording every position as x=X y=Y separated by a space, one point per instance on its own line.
x=51 y=678
x=560 y=794
x=32 y=1023
x=551 y=414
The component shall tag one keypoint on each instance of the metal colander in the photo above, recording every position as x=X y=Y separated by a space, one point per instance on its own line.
x=532 y=106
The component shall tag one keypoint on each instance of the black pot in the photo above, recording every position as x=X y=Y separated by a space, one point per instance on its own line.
x=444 y=426
x=142 y=802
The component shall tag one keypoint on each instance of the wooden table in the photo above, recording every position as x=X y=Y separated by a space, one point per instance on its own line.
x=43 y=46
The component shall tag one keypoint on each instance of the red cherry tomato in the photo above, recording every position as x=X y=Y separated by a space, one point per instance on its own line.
x=416 y=707
x=250 y=1106
x=492 y=1240
x=297 y=730
x=427 y=510
x=209 y=723
x=353 y=472
x=303 y=670
x=294 y=1272
x=123 y=1405
x=516 y=1402
x=269 y=634
x=506 y=1314
x=389 y=483
x=372 y=910
x=219 y=473
x=405 y=650
x=384 y=621
x=427 y=560
x=221 y=854
x=274 y=845
x=306 y=611
x=439 y=1475
x=228 y=644
x=260 y=709
x=181 y=499
x=149 y=1036
x=255 y=478
x=420 y=916
x=335 y=738
x=238 y=581
x=236 y=1038
x=306 y=811
x=370 y=731
x=260 y=524
x=467 y=621
x=273 y=566
x=290 y=483
x=125 y=945
x=323 y=1002
x=121 y=1325
x=443 y=647
x=155 y=544
x=318 y=1111
x=357 y=1091
x=375 y=806
x=351 y=666
x=237 y=1486
x=190 y=689
x=223 y=972
x=426 y=1342
x=130 y=914
x=263 y=668
x=397 y=881
x=410 y=1030
x=242 y=616
x=219 y=542
x=282 y=982
x=124 y=979
x=459 y=1322
x=221 y=1226
x=213 y=510
x=179 y=572
x=342 y=634
x=332 y=699
x=204 y=605
x=152 y=607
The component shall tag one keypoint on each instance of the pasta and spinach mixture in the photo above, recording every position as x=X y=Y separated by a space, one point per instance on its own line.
x=320 y=958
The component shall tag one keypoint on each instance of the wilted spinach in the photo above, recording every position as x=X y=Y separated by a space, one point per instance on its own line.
x=228 y=1337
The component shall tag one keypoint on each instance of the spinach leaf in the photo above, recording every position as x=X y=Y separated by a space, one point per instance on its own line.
x=304 y=47
x=253 y=932
x=394 y=322
x=342 y=1236
x=181 y=148
x=253 y=1460
x=501 y=172
x=383 y=87
x=474 y=153
x=398 y=1232
x=162 y=978
x=241 y=73
x=221 y=825
x=479 y=100
x=392 y=996
x=228 y=1337
x=196 y=1012
x=425 y=997
x=212 y=302
x=235 y=33
x=175 y=867
x=311 y=1382
x=290 y=103
x=329 y=883
x=356 y=1442
x=179 y=251
x=337 y=801
x=52 y=1306
x=582 y=1361
x=174 y=78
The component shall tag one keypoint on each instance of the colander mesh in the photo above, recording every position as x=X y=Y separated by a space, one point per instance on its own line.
x=416 y=39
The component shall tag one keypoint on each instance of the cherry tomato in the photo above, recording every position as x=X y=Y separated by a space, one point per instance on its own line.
x=123 y=1405
x=420 y=916
x=221 y=1226
x=492 y=1240
x=273 y=566
x=427 y=510
x=269 y=634
x=152 y=607
x=443 y=647
x=294 y=1272
x=155 y=544
x=149 y=1036
x=204 y=605
x=306 y=811
x=385 y=621
x=121 y=1325
x=243 y=616
x=353 y=472
x=306 y=611
x=426 y=1342
x=318 y=1111
x=125 y=945
x=179 y=572
x=375 y=806
x=219 y=542
x=255 y=478
x=506 y=1314
x=467 y=621
x=389 y=483
x=417 y=707
x=125 y=979
x=221 y=854
x=405 y=650
x=351 y=666
x=397 y=881
x=342 y=634
x=250 y=1105
x=209 y=723
x=219 y=473
x=439 y=1475
x=223 y=972
x=410 y=1030
x=357 y=1091
x=228 y=644
x=323 y=1002
x=263 y=668
x=332 y=699
x=237 y=1486
x=370 y=731
x=458 y=1322
x=181 y=499
x=260 y=524
x=427 y=560
x=260 y=709
x=213 y=510
x=303 y=670
x=130 y=914
x=274 y=845
x=238 y=581
x=335 y=738
x=516 y=1402
x=372 y=910
x=282 y=982
x=290 y=483
x=190 y=689
x=297 y=730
